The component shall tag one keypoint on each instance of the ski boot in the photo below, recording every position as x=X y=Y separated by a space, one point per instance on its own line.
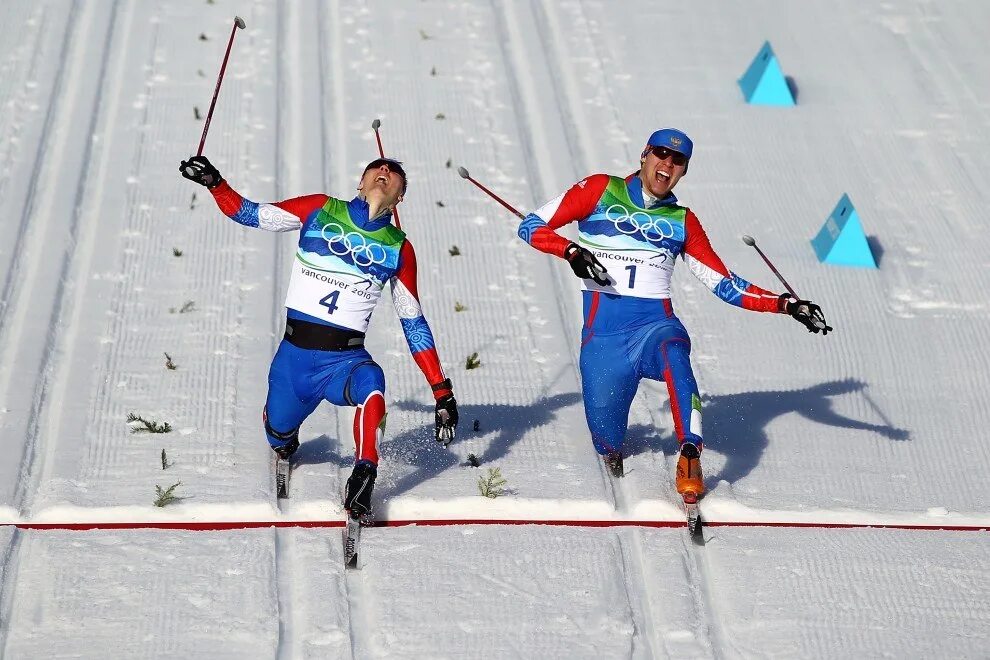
x=613 y=461
x=688 y=477
x=288 y=449
x=357 y=495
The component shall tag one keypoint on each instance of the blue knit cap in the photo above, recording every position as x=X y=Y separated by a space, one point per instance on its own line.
x=673 y=139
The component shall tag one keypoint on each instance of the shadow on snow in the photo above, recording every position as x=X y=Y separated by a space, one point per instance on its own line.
x=416 y=447
x=735 y=424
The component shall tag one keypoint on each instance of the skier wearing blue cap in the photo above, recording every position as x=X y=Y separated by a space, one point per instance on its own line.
x=630 y=232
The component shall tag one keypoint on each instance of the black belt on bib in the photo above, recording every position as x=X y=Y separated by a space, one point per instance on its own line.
x=318 y=337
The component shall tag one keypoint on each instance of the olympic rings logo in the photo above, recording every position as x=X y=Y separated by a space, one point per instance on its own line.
x=653 y=228
x=363 y=252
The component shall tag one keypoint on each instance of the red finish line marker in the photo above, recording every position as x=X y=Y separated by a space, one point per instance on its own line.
x=257 y=524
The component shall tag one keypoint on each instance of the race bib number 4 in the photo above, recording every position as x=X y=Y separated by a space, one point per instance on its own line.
x=340 y=298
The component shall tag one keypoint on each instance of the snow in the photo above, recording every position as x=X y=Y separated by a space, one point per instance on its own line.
x=880 y=423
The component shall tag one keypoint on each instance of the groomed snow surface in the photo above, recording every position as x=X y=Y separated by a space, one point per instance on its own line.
x=881 y=423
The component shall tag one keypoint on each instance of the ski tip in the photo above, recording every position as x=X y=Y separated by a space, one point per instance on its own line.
x=352 y=561
x=463 y=172
x=239 y=22
x=376 y=124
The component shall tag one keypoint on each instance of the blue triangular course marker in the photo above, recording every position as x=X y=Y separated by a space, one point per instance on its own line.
x=764 y=82
x=841 y=240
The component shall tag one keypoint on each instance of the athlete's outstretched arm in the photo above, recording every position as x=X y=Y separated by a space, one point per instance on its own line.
x=287 y=215
x=707 y=266
x=578 y=202
x=405 y=297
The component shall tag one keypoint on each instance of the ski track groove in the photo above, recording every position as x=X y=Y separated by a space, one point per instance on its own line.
x=76 y=266
x=335 y=173
x=282 y=562
x=12 y=280
x=31 y=451
x=37 y=457
x=539 y=175
x=10 y=132
x=102 y=455
x=9 y=561
x=11 y=298
x=284 y=553
x=283 y=556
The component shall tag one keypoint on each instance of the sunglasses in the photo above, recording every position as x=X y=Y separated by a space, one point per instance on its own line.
x=393 y=165
x=663 y=153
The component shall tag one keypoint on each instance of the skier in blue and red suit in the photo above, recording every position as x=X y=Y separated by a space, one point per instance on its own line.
x=347 y=252
x=630 y=233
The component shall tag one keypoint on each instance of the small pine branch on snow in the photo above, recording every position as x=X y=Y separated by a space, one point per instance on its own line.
x=148 y=425
x=441 y=116
x=176 y=252
x=423 y=35
x=454 y=251
x=171 y=366
x=168 y=495
x=187 y=306
x=492 y=485
x=433 y=72
x=203 y=37
x=473 y=361
x=165 y=462
x=473 y=460
x=192 y=204
x=458 y=307
x=196 y=113
x=440 y=203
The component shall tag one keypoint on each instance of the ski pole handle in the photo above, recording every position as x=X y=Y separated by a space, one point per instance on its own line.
x=465 y=175
x=238 y=25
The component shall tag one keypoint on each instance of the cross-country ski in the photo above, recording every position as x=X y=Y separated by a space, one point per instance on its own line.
x=282 y=473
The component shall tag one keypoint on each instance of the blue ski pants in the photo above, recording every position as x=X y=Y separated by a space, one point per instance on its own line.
x=612 y=364
x=299 y=379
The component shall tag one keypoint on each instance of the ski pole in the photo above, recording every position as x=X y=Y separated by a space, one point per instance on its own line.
x=464 y=174
x=749 y=240
x=381 y=152
x=238 y=24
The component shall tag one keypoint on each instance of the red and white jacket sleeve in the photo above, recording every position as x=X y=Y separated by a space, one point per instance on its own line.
x=287 y=215
x=405 y=297
x=707 y=266
x=577 y=203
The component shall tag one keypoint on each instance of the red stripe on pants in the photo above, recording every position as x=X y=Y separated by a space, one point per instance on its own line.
x=591 y=317
x=367 y=419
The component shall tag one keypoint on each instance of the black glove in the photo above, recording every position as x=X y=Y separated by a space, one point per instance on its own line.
x=807 y=313
x=446 y=419
x=585 y=265
x=201 y=170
